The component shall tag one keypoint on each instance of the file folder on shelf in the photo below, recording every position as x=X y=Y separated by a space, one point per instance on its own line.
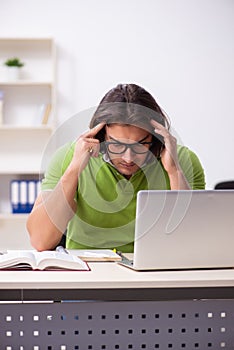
x=15 y=196
x=23 y=195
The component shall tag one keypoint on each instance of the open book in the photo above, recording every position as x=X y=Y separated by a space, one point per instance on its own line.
x=46 y=260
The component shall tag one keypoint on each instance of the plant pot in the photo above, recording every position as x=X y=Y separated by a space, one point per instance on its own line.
x=13 y=73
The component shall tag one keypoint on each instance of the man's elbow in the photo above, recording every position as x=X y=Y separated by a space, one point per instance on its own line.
x=35 y=236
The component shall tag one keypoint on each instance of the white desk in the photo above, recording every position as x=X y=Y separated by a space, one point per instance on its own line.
x=120 y=309
x=112 y=276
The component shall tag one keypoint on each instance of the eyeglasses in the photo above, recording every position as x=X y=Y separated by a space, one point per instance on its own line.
x=119 y=147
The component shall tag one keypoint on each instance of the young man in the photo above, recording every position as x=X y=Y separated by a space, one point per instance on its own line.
x=90 y=187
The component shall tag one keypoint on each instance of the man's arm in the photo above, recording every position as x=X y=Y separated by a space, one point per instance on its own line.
x=169 y=159
x=53 y=209
x=51 y=213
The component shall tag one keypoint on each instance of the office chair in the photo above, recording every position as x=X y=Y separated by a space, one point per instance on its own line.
x=224 y=185
x=63 y=240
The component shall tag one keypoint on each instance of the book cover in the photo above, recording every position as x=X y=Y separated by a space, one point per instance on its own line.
x=96 y=254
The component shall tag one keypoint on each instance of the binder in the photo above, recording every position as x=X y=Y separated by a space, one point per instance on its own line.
x=23 y=194
x=31 y=194
x=23 y=197
x=14 y=192
x=38 y=187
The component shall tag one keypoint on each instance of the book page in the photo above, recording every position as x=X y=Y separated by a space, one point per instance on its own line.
x=17 y=258
x=32 y=259
x=58 y=260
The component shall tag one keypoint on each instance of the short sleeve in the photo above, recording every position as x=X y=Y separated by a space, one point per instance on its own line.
x=192 y=168
x=57 y=166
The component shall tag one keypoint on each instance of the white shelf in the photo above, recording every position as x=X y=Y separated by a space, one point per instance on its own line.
x=19 y=128
x=24 y=104
x=13 y=232
x=16 y=40
x=21 y=149
x=26 y=83
x=35 y=87
x=23 y=137
x=19 y=170
x=37 y=54
x=10 y=216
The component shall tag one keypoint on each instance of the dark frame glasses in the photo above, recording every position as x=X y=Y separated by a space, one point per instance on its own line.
x=120 y=147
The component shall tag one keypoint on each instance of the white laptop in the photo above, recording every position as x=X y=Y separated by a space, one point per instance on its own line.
x=183 y=230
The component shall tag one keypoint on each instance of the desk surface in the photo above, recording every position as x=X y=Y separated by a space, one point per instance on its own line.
x=113 y=281
x=113 y=275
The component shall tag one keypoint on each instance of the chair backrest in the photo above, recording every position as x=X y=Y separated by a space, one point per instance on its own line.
x=62 y=241
x=224 y=185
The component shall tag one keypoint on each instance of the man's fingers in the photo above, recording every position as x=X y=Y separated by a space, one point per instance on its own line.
x=93 y=132
x=156 y=124
x=159 y=128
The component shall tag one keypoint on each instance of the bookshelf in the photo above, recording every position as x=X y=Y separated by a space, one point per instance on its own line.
x=27 y=123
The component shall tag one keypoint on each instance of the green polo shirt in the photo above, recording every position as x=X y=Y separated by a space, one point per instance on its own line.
x=106 y=200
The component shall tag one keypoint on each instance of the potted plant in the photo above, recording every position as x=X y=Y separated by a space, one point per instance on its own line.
x=13 y=66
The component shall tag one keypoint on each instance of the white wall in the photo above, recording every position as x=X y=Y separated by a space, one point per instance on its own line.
x=182 y=51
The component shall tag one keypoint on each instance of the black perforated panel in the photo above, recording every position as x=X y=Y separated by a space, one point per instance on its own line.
x=207 y=324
